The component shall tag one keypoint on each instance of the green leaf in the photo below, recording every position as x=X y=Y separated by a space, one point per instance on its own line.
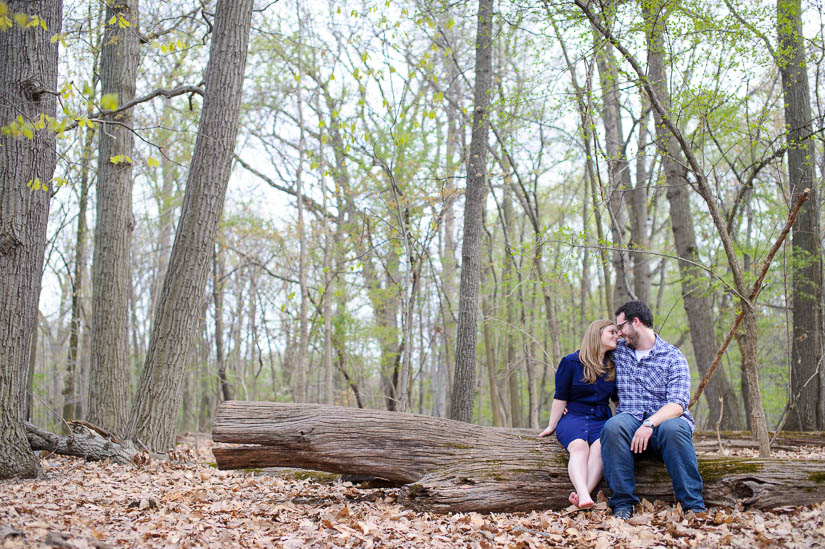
x=108 y=101
x=152 y=162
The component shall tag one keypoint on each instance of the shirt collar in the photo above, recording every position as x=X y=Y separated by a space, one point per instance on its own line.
x=658 y=345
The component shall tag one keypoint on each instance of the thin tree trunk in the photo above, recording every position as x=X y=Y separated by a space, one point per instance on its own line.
x=110 y=368
x=808 y=413
x=455 y=133
x=28 y=70
x=328 y=381
x=301 y=373
x=639 y=236
x=152 y=418
x=492 y=377
x=461 y=407
x=618 y=168
x=217 y=298
x=72 y=380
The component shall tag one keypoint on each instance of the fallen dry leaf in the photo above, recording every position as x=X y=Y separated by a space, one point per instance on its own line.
x=184 y=502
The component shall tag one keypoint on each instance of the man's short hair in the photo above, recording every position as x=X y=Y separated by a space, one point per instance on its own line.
x=636 y=309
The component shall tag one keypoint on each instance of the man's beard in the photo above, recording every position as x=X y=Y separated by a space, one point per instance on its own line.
x=632 y=339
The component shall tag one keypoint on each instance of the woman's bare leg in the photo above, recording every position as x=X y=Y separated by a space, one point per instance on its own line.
x=577 y=469
x=594 y=466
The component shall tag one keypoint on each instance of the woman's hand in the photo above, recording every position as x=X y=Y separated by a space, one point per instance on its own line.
x=557 y=409
x=549 y=431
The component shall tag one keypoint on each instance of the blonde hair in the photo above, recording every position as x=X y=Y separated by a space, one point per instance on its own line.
x=590 y=353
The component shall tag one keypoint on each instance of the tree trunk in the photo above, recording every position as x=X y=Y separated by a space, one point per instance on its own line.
x=808 y=411
x=72 y=403
x=28 y=78
x=639 y=235
x=451 y=466
x=492 y=375
x=448 y=252
x=694 y=281
x=461 y=403
x=217 y=297
x=618 y=168
x=300 y=378
x=154 y=414
x=110 y=369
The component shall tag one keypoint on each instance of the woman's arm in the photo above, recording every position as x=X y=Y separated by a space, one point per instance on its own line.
x=556 y=411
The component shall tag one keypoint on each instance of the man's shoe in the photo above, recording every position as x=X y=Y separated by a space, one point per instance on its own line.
x=623 y=513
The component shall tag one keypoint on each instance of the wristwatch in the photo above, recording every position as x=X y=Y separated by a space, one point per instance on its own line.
x=648 y=423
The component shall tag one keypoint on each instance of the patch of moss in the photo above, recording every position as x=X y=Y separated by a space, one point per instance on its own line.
x=315 y=476
x=716 y=469
x=414 y=489
x=819 y=478
x=458 y=446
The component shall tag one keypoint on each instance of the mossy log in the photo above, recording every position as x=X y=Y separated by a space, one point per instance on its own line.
x=448 y=466
x=709 y=441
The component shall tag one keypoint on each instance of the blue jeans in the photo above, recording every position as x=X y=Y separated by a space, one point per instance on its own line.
x=671 y=441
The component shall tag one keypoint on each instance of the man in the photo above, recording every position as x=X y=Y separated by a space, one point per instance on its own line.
x=653 y=381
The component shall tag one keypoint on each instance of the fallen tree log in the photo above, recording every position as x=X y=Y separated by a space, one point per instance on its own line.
x=708 y=441
x=85 y=441
x=448 y=466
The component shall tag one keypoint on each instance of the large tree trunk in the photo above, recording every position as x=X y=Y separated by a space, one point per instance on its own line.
x=461 y=402
x=155 y=411
x=28 y=79
x=452 y=466
x=808 y=412
x=110 y=369
x=694 y=280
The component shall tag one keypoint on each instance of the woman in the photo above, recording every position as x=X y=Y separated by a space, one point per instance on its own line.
x=585 y=381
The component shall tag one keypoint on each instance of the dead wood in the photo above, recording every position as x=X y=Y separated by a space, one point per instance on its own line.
x=706 y=442
x=84 y=442
x=453 y=466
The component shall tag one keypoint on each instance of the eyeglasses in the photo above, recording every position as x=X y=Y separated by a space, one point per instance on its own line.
x=620 y=324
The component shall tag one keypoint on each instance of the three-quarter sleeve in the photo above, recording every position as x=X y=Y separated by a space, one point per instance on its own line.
x=564 y=379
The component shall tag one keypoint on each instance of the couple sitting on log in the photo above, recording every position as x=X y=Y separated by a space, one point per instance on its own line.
x=651 y=379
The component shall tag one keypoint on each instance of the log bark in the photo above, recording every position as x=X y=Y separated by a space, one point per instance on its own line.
x=450 y=466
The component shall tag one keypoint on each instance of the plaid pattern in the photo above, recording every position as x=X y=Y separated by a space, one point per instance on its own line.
x=645 y=386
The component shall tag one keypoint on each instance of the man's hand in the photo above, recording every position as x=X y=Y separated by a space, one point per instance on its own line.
x=640 y=438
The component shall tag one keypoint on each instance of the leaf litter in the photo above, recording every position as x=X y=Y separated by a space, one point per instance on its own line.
x=185 y=502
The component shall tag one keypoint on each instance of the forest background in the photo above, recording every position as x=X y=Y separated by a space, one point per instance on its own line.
x=335 y=274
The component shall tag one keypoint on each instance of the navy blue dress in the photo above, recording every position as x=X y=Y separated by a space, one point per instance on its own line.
x=587 y=403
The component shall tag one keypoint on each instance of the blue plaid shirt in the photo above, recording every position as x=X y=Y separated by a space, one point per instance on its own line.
x=645 y=386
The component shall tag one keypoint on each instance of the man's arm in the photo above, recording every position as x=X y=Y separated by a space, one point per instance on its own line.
x=678 y=396
x=642 y=434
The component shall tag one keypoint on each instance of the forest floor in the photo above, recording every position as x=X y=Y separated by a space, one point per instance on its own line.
x=186 y=502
